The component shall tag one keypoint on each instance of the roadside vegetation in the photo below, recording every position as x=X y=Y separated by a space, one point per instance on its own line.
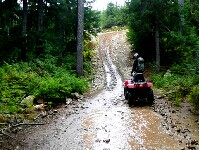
x=178 y=86
x=39 y=79
x=165 y=33
x=41 y=63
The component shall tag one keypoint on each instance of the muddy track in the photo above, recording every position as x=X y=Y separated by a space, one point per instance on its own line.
x=104 y=121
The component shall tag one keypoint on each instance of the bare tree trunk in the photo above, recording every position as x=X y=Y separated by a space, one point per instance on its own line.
x=24 y=24
x=39 y=39
x=157 y=41
x=24 y=18
x=79 y=65
x=1 y=12
x=40 y=15
x=181 y=6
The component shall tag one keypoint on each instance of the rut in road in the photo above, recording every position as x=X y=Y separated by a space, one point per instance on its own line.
x=103 y=121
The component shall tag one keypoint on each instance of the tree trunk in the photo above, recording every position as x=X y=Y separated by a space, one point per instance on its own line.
x=24 y=18
x=157 y=41
x=181 y=6
x=24 y=24
x=39 y=39
x=40 y=15
x=1 y=11
x=79 y=65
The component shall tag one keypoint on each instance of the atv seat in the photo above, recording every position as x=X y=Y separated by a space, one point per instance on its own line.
x=138 y=77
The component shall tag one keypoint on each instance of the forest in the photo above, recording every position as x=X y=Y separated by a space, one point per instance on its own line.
x=38 y=41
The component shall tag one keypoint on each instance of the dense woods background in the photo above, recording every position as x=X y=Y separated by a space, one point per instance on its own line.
x=38 y=50
x=38 y=46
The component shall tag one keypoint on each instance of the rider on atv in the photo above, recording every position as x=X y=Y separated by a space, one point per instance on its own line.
x=138 y=89
x=138 y=67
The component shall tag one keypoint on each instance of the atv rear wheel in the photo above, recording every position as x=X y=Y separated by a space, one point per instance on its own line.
x=150 y=97
x=130 y=100
x=125 y=93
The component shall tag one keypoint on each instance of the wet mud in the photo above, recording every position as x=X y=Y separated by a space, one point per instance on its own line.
x=104 y=121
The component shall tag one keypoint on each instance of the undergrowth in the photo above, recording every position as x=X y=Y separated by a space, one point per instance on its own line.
x=178 y=86
x=41 y=78
x=51 y=77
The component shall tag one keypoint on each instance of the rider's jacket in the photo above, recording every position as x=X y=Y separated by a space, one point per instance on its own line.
x=135 y=67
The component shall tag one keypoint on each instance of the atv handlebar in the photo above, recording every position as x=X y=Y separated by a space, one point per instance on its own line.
x=132 y=73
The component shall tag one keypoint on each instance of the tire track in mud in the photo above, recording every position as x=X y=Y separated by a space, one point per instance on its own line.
x=103 y=121
x=111 y=74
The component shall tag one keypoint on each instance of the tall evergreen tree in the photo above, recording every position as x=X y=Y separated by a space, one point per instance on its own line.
x=40 y=15
x=79 y=67
x=151 y=23
x=181 y=5
x=113 y=16
x=24 y=30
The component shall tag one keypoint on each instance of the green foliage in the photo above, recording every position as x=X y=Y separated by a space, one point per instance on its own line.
x=92 y=20
x=60 y=86
x=113 y=16
x=58 y=37
x=144 y=15
x=175 y=45
x=178 y=43
x=43 y=63
x=194 y=96
x=177 y=87
x=43 y=79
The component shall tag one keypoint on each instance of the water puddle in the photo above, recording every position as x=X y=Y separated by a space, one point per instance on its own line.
x=148 y=132
x=126 y=128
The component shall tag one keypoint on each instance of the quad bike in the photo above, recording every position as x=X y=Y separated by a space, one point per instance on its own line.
x=138 y=90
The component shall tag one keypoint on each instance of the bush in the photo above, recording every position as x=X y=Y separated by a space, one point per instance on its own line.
x=60 y=86
x=178 y=87
x=43 y=79
x=194 y=96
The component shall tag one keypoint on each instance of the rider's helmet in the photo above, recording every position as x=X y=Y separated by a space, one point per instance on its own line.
x=136 y=55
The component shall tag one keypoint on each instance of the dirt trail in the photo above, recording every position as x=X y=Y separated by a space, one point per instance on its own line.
x=104 y=121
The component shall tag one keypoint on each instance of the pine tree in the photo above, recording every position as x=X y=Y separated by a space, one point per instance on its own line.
x=79 y=67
